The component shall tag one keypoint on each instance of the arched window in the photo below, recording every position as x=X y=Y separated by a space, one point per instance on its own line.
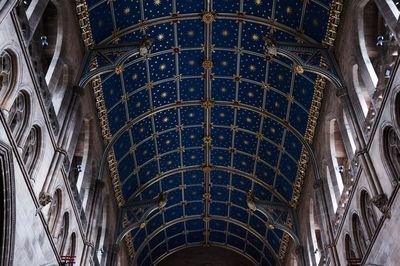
x=359 y=237
x=368 y=213
x=30 y=152
x=332 y=190
x=100 y=237
x=391 y=150
x=349 y=133
x=7 y=71
x=18 y=114
x=349 y=249
x=362 y=92
x=339 y=156
x=63 y=233
x=72 y=245
x=54 y=211
x=316 y=245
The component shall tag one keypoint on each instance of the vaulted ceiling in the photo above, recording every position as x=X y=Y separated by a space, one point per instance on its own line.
x=212 y=116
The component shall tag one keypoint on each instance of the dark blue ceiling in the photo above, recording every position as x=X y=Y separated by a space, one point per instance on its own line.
x=236 y=103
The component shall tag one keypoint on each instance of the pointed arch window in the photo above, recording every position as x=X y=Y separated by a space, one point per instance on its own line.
x=72 y=245
x=54 y=211
x=391 y=146
x=63 y=233
x=349 y=249
x=31 y=148
x=6 y=71
x=359 y=236
x=18 y=114
x=368 y=213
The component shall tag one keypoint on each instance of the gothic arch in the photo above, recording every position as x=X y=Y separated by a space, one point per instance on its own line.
x=54 y=211
x=8 y=72
x=7 y=201
x=368 y=213
x=63 y=233
x=359 y=236
x=31 y=149
x=391 y=153
x=72 y=245
x=338 y=154
x=361 y=91
x=18 y=115
x=316 y=251
x=349 y=249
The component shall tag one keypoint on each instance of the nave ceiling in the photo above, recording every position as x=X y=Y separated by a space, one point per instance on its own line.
x=211 y=115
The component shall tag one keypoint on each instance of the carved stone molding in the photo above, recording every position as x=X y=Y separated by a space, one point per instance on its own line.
x=382 y=203
x=45 y=198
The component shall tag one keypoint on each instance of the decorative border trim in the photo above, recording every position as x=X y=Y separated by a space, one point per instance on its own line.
x=335 y=11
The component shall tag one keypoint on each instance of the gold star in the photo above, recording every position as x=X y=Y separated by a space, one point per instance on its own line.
x=246 y=142
x=250 y=94
x=165 y=119
x=157 y=2
x=134 y=77
x=164 y=94
x=280 y=77
x=248 y=120
x=252 y=68
x=258 y=2
x=191 y=89
x=221 y=137
x=138 y=104
x=272 y=129
x=222 y=115
x=192 y=136
x=127 y=10
x=190 y=33
x=160 y=37
x=224 y=63
x=163 y=67
x=255 y=37
x=225 y=33
x=223 y=89
x=191 y=62
x=167 y=141
x=289 y=9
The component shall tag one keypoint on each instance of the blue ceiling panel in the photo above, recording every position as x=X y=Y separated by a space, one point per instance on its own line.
x=175 y=229
x=258 y=8
x=157 y=8
x=220 y=178
x=193 y=177
x=223 y=89
x=191 y=89
x=226 y=66
x=226 y=6
x=170 y=182
x=189 y=6
x=190 y=34
x=204 y=131
x=225 y=33
x=126 y=14
x=190 y=63
x=194 y=208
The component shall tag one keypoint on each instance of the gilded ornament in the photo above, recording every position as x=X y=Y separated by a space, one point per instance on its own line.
x=207 y=64
x=208 y=17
